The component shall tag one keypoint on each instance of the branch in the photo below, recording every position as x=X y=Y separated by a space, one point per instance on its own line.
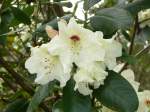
x=146 y=49
x=133 y=34
x=86 y=18
x=75 y=7
x=12 y=32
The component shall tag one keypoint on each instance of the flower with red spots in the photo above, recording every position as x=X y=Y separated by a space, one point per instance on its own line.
x=75 y=44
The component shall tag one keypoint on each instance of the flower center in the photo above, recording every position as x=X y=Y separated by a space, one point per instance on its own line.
x=75 y=38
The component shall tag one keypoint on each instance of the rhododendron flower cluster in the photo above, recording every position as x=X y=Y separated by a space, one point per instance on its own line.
x=74 y=45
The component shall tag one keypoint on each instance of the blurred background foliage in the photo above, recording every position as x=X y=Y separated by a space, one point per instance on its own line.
x=22 y=25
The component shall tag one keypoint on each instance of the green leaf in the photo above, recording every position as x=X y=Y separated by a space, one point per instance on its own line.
x=109 y=20
x=19 y=105
x=20 y=16
x=137 y=6
x=58 y=106
x=73 y=101
x=89 y=3
x=42 y=92
x=117 y=93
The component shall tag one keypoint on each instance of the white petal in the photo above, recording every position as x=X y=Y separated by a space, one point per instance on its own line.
x=66 y=59
x=60 y=75
x=83 y=76
x=110 y=62
x=57 y=45
x=43 y=78
x=72 y=24
x=118 y=67
x=75 y=29
x=113 y=48
x=98 y=35
x=91 y=51
x=62 y=25
x=106 y=109
x=128 y=74
x=46 y=66
x=94 y=75
x=116 y=49
x=143 y=97
x=31 y=64
x=84 y=89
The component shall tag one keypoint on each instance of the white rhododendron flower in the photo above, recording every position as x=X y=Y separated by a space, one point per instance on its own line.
x=75 y=44
x=46 y=66
x=144 y=101
x=93 y=76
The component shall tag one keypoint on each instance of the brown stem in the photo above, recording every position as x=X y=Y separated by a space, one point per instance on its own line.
x=59 y=10
x=146 y=49
x=133 y=34
x=86 y=18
